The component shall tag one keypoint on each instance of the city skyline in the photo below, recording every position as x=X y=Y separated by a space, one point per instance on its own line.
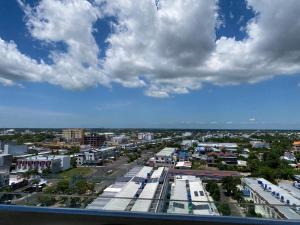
x=118 y=68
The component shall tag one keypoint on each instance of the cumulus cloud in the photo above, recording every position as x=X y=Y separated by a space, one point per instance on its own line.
x=167 y=50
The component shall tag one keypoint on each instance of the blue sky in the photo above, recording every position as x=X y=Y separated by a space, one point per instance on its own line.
x=262 y=100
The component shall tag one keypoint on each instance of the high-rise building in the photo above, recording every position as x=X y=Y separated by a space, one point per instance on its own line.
x=73 y=135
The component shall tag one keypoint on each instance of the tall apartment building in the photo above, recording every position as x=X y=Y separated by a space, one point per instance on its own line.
x=73 y=135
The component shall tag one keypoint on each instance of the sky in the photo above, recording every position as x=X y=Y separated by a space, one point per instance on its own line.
x=227 y=64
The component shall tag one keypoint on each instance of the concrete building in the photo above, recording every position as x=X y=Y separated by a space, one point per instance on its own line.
x=123 y=200
x=111 y=191
x=5 y=161
x=259 y=144
x=121 y=139
x=73 y=135
x=15 y=149
x=188 y=196
x=94 y=140
x=165 y=157
x=146 y=136
x=98 y=155
x=55 y=163
x=4 y=178
x=272 y=201
x=208 y=146
x=155 y=188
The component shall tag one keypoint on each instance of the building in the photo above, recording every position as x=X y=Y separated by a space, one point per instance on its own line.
x=15 y=149
x=208 y=146
x=55 y=163
x=97 y=155
x=94 y=140
x=188 y=196
x=73 y=135
x=123 y=199
x=146 y=136
x=118 y=140
x=4 y=178
x=296 y=146
x=259 y=144
x=186 y=144
x=5 y=161
x=155 y=188
x=165 y=157
x=271 y=200
x=227 y=157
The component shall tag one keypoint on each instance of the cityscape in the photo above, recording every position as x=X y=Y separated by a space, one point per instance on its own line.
x=153 y=112
x=200 y=172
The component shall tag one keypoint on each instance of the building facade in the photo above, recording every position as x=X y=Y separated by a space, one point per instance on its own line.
x=94 y=140
x=73 y=135
x=40 y=163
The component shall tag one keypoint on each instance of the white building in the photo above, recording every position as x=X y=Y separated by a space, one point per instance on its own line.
x=272 y=201
x=165 y=157
x=55 y=163
x=130 y=191
x=188 y=196
x=146 y=136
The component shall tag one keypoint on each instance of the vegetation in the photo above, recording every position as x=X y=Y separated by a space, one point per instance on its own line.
x=213 y=188
x=224 y=209
x=79 y=171
x=23 y=138
x=198 y=165
x=251 y=210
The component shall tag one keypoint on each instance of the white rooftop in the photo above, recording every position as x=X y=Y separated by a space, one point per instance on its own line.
x=166 y=152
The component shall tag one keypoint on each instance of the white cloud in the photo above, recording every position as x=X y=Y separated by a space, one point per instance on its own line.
x=252 y=119
x=167 y=51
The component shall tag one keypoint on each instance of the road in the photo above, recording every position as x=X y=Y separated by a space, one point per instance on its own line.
x=106 y=175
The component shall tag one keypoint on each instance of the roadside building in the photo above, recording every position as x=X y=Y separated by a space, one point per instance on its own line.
x=55 y=163
x=97 y=155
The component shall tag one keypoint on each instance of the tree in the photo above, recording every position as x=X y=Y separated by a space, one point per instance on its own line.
x=46 y=200
x=63 y=186
x=229 y=185
x=224 y=209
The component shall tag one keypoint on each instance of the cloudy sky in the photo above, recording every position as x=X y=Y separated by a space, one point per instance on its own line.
x=147 y=63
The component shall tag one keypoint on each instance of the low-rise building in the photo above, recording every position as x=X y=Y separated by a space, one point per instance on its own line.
x=271 y=200
x=259 y=144
x=188 y=196
x=55 y=163
x=165 y=157
x=146 y=136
